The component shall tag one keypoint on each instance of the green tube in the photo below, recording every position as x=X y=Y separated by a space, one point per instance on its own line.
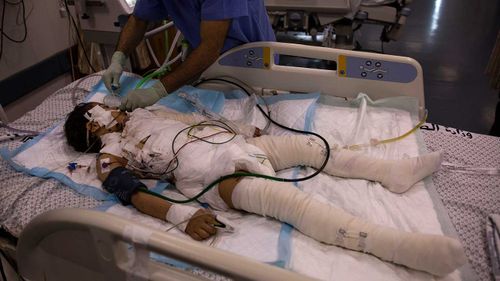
x=212 y=185
x=158 y=72
x=155 y=74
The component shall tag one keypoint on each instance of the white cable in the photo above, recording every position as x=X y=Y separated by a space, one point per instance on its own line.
x=158 y=29
x=176 y=38
x=150 y=33
x=161 y=69
x=151 y=52
x=178 y=57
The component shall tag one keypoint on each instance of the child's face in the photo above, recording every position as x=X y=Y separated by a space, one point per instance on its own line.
x=106 y=119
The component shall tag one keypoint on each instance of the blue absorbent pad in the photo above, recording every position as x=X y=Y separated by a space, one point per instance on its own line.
x=213 y=100
x=48 y=155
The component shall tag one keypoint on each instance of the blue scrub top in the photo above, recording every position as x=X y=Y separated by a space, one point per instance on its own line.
x=249 y=23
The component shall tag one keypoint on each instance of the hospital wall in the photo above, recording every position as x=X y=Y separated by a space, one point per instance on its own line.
x=46 y=44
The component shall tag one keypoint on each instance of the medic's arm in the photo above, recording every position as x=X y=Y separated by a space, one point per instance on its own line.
x=213 y=34
x=120 y=181
x=131 y=35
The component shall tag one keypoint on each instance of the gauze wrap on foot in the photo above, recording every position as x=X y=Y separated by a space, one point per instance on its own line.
x=396 y=175
x=435 y=254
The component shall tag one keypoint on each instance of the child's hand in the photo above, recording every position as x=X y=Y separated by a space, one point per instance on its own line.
x=201 y=225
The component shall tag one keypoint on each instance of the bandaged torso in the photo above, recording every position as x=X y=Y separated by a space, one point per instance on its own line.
x=161 y=147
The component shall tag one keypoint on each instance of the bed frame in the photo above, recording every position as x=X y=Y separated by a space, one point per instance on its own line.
x=78 y=244
x=378 y=75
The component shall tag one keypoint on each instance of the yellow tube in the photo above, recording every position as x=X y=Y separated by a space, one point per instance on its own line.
x=375 y=142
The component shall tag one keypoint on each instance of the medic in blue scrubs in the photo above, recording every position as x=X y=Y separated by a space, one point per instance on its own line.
x=210 y=26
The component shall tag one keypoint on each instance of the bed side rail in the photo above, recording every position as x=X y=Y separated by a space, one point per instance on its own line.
x=79 y=244
x=377 y=75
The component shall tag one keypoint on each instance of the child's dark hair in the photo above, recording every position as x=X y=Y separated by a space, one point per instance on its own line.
x=75 y=130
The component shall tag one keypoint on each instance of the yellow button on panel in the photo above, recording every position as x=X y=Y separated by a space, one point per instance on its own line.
x=342 y=66
x=267 y=57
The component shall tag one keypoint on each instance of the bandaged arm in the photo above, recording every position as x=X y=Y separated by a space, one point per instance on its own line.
x=124 y=184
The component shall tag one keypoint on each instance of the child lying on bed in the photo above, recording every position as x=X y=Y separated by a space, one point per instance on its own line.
x=192 y=152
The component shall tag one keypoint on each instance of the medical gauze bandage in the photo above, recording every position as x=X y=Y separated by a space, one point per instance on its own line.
x=179 y=215
x=396 y=175
x=101 y=116
x=439 y=255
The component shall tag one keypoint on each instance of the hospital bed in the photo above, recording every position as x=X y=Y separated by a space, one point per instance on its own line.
x=333 y=23
x=85 y=244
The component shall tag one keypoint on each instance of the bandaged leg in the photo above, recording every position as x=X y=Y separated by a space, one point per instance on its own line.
x=396 y=175
x=435 y=254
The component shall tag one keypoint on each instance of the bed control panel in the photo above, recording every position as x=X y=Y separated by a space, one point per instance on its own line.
x=258 y=57
x=374 y=69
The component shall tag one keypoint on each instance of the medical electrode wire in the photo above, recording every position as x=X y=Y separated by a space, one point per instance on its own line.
x=247 y=174
x=175 y=152
x=223 y=178
x=327 y=145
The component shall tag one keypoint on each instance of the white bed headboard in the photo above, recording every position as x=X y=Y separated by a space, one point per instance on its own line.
x=377 y=75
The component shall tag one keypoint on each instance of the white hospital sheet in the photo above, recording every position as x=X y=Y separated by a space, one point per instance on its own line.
x=268 y=240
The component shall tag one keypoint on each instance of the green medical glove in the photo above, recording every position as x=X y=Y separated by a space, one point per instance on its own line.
x=112 y=75
x=143 y=97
